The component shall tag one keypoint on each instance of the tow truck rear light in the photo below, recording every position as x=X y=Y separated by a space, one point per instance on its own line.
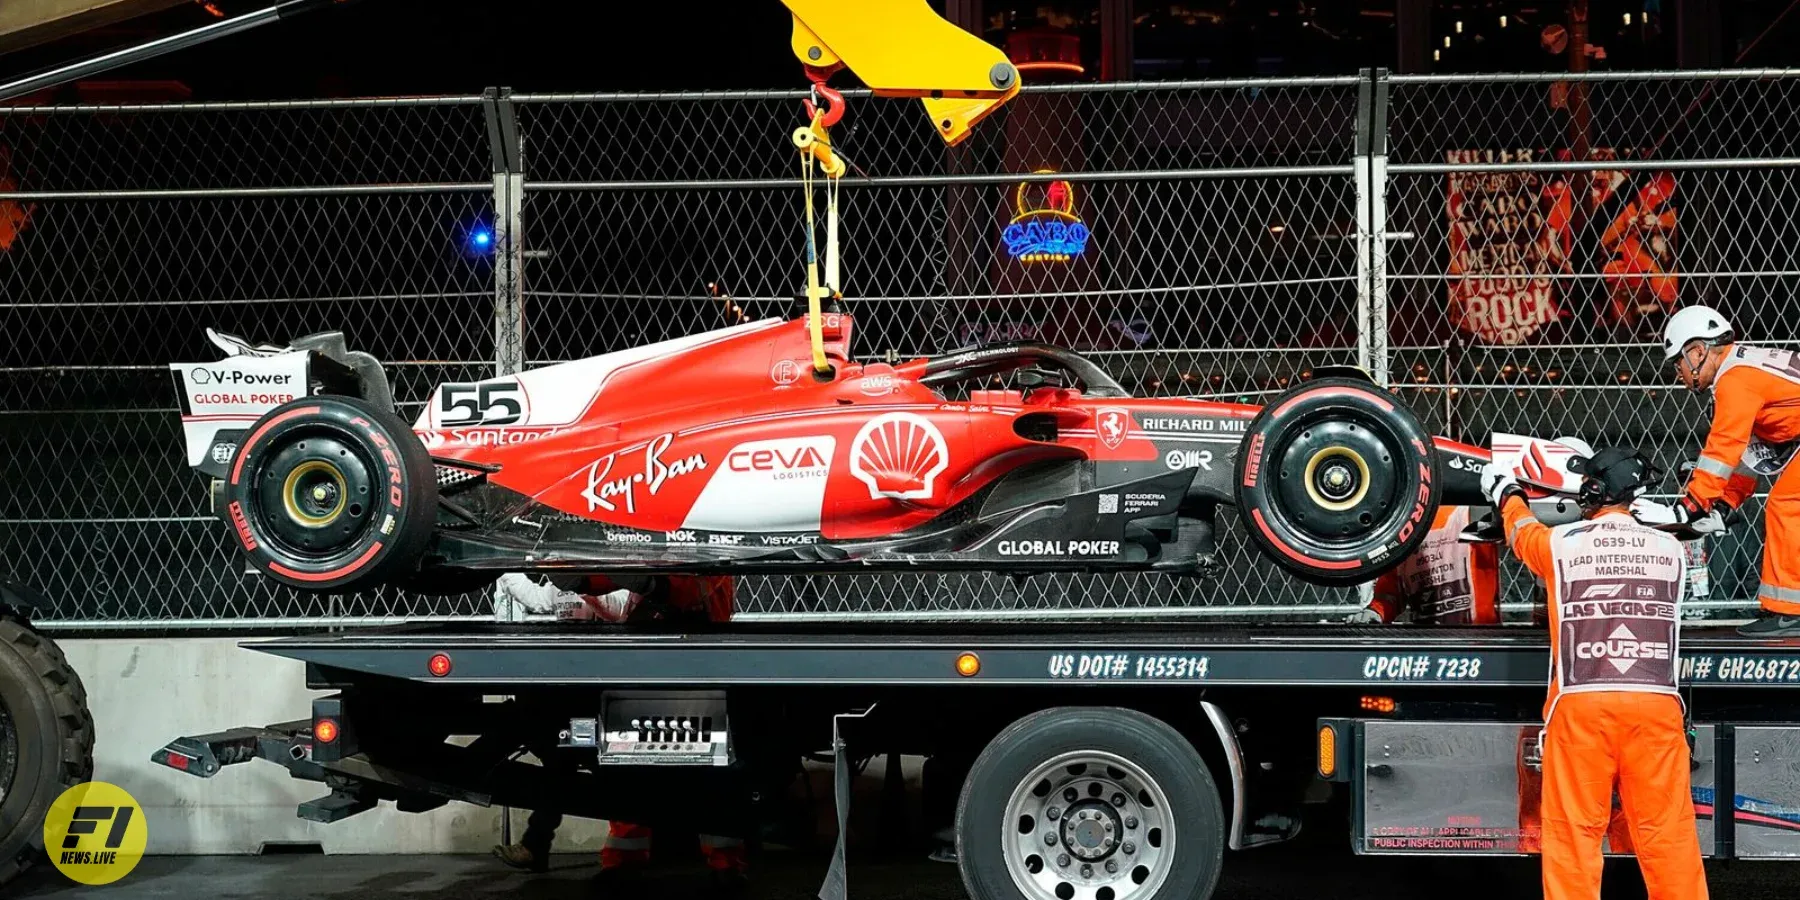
x=1377 y=704
x=439 y=666
x=325 y=731
x=968 y=665
x=1337 y=739
x=1327 y=752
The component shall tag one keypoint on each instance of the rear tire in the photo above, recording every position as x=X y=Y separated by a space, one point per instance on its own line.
x=1337 y=482
x=331 y=493
x=1145 y=804
x=46 y=739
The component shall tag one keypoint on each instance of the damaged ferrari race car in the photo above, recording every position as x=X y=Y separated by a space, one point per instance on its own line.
x=734 y=451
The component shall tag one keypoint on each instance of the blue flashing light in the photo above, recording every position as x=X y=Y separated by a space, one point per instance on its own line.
x=481 y=238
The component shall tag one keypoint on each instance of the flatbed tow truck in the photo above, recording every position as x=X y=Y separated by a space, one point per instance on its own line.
x=1117 y=760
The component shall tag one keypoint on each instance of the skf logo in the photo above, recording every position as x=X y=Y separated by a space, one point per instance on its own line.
x=95 y=833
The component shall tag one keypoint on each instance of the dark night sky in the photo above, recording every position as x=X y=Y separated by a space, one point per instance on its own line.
x=385 y=47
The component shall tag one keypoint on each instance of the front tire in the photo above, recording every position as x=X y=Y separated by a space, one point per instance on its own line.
x=331 y=493
x=46 y=739
x=1090 y=803
x=1337 y=482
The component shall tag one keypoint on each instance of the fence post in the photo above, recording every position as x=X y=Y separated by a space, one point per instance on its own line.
x=1371 y=225
x=507 y=149
x=1378 y=231
x=1365 y=228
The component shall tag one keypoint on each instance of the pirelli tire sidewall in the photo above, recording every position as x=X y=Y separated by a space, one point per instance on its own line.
x=393 y=530
x=1409 y=480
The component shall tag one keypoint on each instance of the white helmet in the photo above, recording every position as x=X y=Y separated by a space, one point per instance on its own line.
x=1581 y=447
x=1694 y=323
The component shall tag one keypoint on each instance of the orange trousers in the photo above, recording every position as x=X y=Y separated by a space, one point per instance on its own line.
x=629 y=845
x=1638 y=742
x=1780 y=592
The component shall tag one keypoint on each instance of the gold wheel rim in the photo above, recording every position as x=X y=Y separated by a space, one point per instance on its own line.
x=290 y=486
x=1324 y=502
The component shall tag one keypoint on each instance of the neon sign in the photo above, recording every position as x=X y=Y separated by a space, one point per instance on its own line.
x=1046 y=228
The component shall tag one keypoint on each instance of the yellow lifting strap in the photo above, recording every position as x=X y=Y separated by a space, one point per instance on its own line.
x=900 y=48
x=811 y=140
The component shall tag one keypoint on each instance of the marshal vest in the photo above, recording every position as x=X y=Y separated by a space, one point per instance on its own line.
x=1617 y=607
x=1437 y=575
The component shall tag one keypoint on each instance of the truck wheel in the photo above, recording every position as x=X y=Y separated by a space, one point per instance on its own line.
x=46 y=739
x=331 y=493
x=1094 y=803
x=1336 y=482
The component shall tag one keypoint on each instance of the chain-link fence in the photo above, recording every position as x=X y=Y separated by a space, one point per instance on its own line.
x=1540 y=230
x=1241 y=233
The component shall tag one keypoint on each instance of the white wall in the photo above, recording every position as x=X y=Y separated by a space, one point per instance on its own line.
x=146 y=692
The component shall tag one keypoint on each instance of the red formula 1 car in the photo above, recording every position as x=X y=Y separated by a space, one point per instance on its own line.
x=727 y=452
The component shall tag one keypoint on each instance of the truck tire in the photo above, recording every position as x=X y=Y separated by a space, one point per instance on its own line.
x=331 y=493
x=1093 y=802
x=46 y=739
x=1337 y=482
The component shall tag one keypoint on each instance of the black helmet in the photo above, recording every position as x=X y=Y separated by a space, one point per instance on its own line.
x=1614 y=475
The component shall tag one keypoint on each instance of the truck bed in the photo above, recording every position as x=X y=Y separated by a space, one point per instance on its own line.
x=1004 y=654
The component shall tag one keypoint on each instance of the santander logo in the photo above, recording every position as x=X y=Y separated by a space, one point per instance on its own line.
x=899 y=455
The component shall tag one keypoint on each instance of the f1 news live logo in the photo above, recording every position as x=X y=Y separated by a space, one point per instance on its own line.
x=95 y=833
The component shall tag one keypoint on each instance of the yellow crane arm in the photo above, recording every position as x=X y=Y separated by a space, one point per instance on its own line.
x=900 y=48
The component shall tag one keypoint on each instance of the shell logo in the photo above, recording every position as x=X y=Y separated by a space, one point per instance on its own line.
x=899 y=455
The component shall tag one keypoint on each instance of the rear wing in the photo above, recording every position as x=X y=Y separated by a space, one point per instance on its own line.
x=221 y=400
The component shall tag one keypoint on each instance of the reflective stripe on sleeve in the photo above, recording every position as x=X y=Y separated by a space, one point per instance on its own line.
x=1778 y=593
x=1513 y=535
x=1714 y=467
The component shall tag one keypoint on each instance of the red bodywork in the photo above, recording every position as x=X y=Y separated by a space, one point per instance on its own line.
x=731 y=431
